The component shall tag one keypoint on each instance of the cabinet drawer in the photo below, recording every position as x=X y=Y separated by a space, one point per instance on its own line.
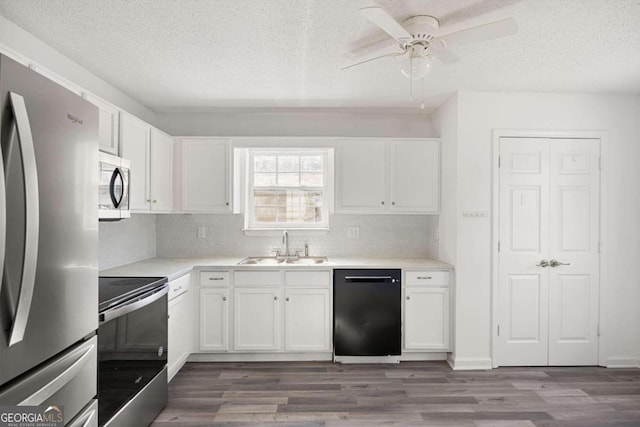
x=428 y=278
x=214 y=278
x=257 y=277
x=310 y=278
x=179 y=286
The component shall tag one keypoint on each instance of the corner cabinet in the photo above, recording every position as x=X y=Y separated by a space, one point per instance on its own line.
x=375 y=176
x=205 y=175
x=151 y=154
x=427 y=320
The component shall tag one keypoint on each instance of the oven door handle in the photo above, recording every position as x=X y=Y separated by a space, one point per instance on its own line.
x=145 y=300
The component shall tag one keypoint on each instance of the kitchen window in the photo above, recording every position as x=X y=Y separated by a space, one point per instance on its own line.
x=287 y=189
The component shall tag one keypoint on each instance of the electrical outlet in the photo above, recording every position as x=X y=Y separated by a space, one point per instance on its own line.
x=353 y=232
x=202 y=232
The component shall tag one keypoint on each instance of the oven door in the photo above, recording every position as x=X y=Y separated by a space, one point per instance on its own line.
x=132 y=353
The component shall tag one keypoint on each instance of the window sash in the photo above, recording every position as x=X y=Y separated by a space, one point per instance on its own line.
x=253 y=189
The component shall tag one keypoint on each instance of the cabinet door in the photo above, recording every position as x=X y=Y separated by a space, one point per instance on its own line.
x=161 y=171
x=205 y=176
x=426 y=315
x=361 y=184
x=214 y=319
x=178 y=333
x=134 y=136
x=108 y=125
x=256 y=319
x=414 y=176
x=307 y=324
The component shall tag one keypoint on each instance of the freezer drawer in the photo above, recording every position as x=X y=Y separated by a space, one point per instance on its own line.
x=68 y=380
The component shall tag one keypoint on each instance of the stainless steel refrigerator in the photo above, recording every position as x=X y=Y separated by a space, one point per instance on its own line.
x=48 y=245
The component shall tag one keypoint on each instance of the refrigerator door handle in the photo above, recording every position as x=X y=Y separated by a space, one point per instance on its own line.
x=32 y=208
x=60 y=380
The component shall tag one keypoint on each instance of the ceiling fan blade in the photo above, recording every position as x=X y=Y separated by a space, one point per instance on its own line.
x=383 y=20
x=372 y=59
x=493 y=30
x=445 y=56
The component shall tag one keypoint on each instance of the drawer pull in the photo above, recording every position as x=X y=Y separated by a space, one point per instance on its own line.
x=216 y=278
x=424 y=277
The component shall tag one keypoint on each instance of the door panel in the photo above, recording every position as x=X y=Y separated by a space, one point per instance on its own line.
x=549 y=210
x=574 y=239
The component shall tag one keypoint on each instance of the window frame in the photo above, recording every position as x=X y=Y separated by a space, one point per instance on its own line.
x=250 y=222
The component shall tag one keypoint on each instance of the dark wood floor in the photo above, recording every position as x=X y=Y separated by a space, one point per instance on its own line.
x=410 y=393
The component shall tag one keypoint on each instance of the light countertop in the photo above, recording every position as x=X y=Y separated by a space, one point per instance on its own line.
x=173 y=268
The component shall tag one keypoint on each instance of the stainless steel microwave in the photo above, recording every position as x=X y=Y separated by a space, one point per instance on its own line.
x=113 y=200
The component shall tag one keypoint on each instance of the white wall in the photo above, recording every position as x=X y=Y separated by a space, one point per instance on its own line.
x=302 y=122
x=15 y=41
x=478 y=115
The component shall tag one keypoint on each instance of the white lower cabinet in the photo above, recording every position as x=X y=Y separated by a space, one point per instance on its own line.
x=180 y=324
x=308 y=320
x=214 y=319
x=427 y=317
x=256 y=318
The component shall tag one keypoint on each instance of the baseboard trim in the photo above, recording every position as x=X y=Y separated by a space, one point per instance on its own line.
x=622 y=362
x=468 y=363
x=259 y=357
x=418 y=357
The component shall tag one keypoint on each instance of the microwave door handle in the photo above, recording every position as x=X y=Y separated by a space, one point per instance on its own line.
x=128 y=308
x=32 y=208
x=112 y=187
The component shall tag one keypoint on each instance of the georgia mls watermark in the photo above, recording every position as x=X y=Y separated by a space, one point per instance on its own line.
x=31 y=416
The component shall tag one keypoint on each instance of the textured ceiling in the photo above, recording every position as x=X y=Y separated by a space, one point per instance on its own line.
x=191 y=55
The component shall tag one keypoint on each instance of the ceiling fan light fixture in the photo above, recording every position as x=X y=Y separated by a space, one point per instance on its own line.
x=416 y=66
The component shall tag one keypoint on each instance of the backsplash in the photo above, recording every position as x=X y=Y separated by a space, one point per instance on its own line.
x=380 y=236
x=129 y=240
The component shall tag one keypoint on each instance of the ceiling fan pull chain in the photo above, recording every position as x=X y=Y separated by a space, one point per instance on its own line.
x=422 y=95
x=411 y=75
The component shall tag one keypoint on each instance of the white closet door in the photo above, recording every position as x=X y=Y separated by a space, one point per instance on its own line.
x=524 y=227
x=574 y=239
x=549 y=212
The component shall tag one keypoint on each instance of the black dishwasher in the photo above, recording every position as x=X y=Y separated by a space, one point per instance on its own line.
x=367 y=315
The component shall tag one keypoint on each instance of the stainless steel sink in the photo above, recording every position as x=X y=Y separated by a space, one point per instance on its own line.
x=312 y=260
x=270 y=260
x=261 y=260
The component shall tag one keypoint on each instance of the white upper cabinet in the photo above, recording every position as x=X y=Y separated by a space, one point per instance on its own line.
x=151 y=156
x=161 y=171
x=360 y=177
x=388 y=176
x=205 y=175
x=414 y=176
x=108 y=123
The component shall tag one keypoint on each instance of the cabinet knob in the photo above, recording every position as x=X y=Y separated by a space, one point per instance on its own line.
x=393 y=203
x=227 y=203
x=155 y=201
x=148 y=200
x=224 y=298
x=382 y=203
x=275 y=298
x=408 y=297
x=287 y=299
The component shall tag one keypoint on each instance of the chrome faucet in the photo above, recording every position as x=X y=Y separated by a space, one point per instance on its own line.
x=285 y=243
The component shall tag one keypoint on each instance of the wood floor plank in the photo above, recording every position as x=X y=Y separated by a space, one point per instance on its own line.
x=405 y=394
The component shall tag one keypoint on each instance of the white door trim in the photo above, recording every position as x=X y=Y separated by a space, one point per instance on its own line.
x=602 y=135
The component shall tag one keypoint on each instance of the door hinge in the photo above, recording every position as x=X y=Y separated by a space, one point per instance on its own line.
x=600 y=163
x=498 y=330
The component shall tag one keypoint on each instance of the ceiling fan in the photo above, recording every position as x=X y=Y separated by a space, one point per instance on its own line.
x=419 y=39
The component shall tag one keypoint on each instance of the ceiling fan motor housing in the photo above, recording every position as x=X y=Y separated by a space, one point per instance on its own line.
x=422 y=27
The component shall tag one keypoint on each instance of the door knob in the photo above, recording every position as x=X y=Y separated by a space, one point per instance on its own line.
x=543 y=263
x=555 y=263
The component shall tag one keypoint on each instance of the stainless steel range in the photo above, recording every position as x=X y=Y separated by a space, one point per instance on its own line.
x=132 y=350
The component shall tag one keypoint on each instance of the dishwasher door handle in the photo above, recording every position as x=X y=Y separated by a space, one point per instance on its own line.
x=369 y=279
